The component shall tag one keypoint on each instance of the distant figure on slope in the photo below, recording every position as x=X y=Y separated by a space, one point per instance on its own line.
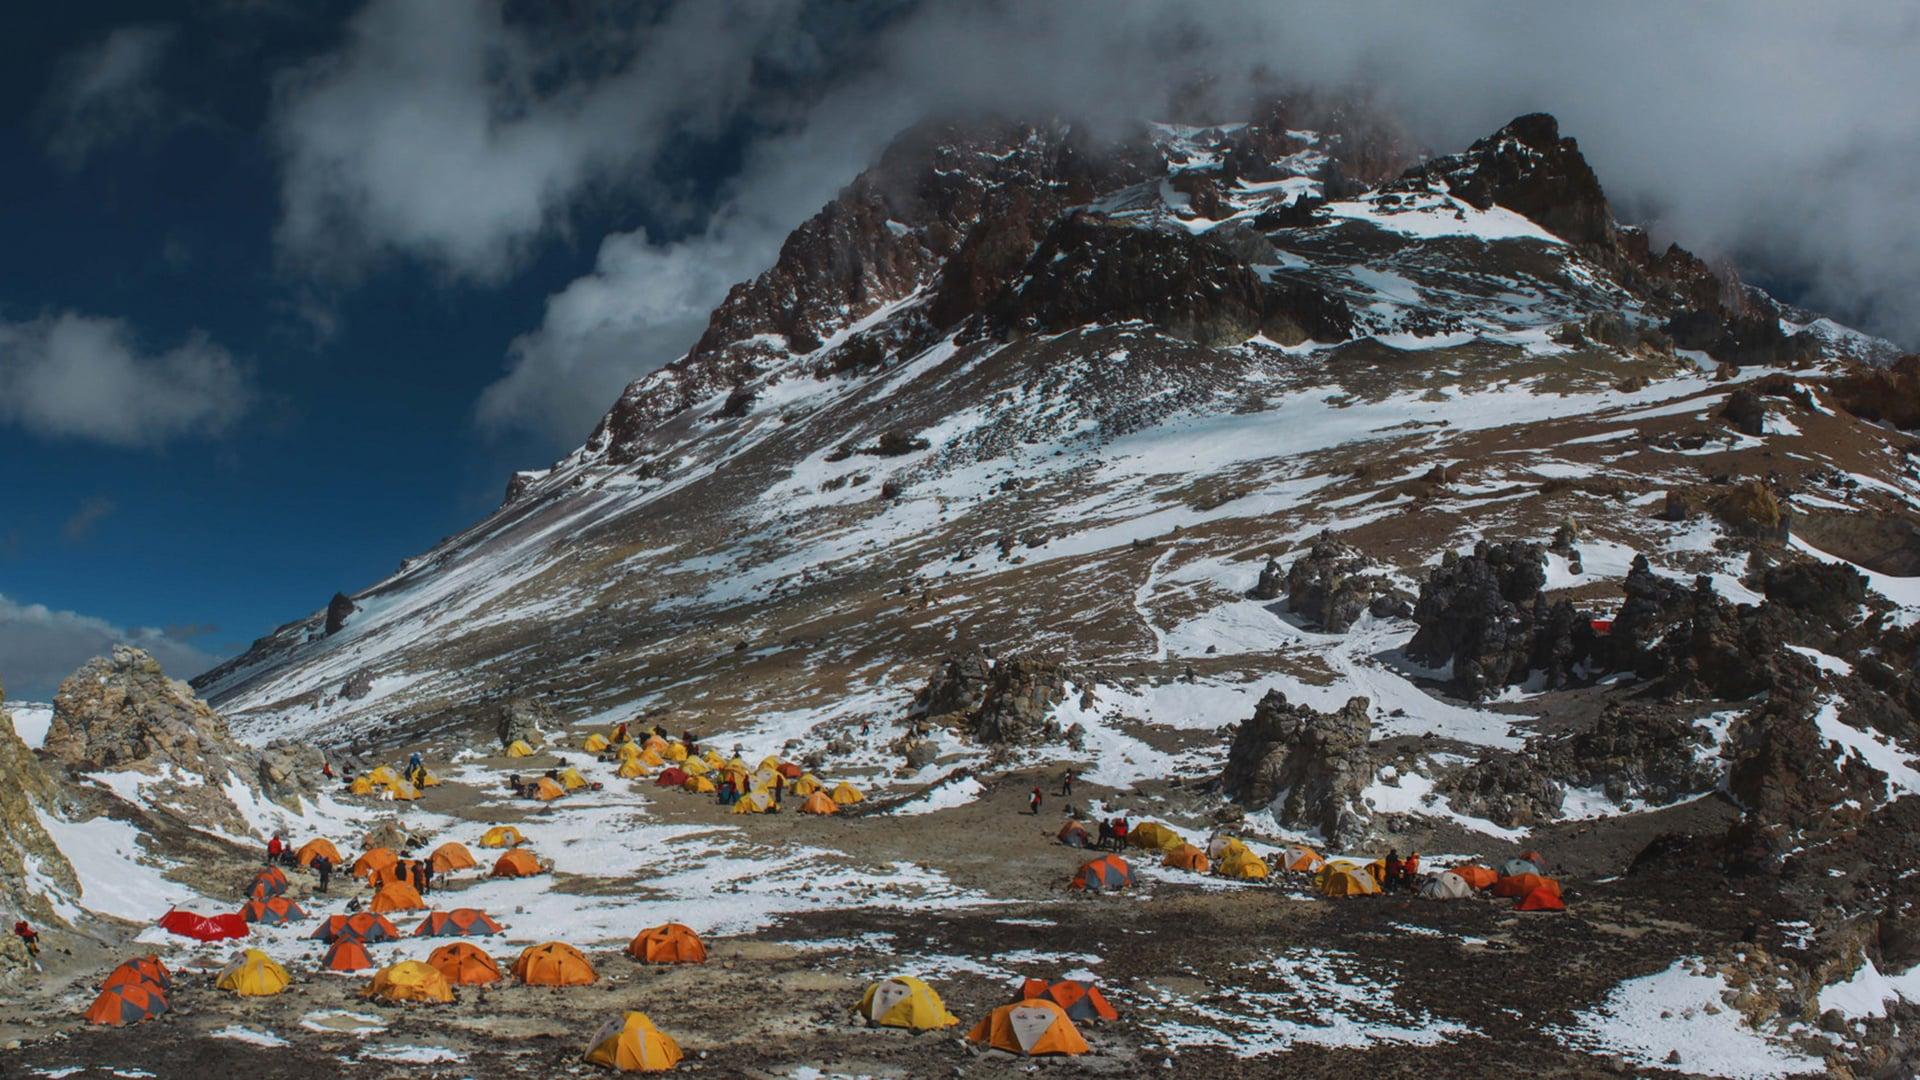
x=324 y=867
x=1033 y=802
x=274 y=848
x=29 y=937
x=1066 y=783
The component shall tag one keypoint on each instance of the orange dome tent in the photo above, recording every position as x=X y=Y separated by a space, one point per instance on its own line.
x=397 y=896
x=819 y=803
x=1480 y=877
x=460 y=922
x=1074 y=834
x=516 y=863
x=1081 y=1000
x=451 y=856
x=409 y=980
x=269 y=882
x=361 y=926
x=632 y=1044
x=1104 y=874
x=789 y=770
x=547 y=790
x=315 y=848
x=464 y=964
x=274 y=911
x=346 y=954
x=669 y=943
x=1187 y=857
x=140 y=969
x=377 y=859
x=1301 y=859
x=401 y=870
x=1541 y=898
x=552 y=964
x=127 y=1003
x=1029 y=1028
x=1519 y=885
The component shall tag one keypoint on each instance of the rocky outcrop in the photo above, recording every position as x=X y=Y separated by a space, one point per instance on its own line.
x=1272 y=584
x=1750 y=338
x=522 y=718
x=1889 y=395
x=958 y=684
x=1530 y=169
x=339 y=609
x=29 y=860
x=1311 y=768
x=1483 y=615
x=1329 y=586
x=1005 y=703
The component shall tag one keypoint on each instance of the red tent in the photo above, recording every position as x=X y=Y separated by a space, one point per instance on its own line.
x=1541 y=898
x=673 y=777
x=203 y=927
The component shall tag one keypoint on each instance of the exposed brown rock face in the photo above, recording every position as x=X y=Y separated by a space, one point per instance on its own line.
x=1884 y=395
x=522 y=718
x=1310 y=768
x=1329 y=586
x=1005 y=703
x=28 y=855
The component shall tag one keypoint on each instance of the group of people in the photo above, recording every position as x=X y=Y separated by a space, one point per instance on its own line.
x=281 y=853
x=1402 y=875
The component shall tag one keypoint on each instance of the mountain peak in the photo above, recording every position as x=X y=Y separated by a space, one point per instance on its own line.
x=1529 y=168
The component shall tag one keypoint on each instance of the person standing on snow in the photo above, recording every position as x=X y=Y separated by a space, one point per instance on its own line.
x=324 y=867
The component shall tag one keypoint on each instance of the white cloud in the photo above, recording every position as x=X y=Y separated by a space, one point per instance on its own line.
x=106 y=92
x=40 y=646
x=85 y=377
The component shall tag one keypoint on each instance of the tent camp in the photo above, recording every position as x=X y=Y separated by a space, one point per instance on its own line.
x=846 y=795
x=1300 y=859
x=451 y=856
x=516 y=863
x=519 y=748
x=1074 y=834
x=253 y=974
x=465 y=964
x=361 y=926
x=632 y=1044
x=1082 y=1000
x=1155 y=836
x=1446 y=886
x=1345 y=879
x=315 y=848
x=668 y=943
x=203 y=927
x=554 y=963
x=1029 y=1028
x=1104 y=874
x=127 y=1003
x=346 y=954
x=502 y=836
x=409 y=980
x=460 y=922
x=1187 y=857
x=376 y=859
x=277 y=911
x=905 y=1002
x=819 y=803
x=396 y=896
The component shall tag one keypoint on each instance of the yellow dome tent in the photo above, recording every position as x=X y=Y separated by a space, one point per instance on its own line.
x=1154 y=835
x=770 y=763
x=1345 y=879
x=427 y=779
x=654 y=745
x=502 y=836
x=630 y=769
x=846 y=794
x=674 y=752
x=253 y=974
x=700 y=785
x=906 y=1002
x=519 y=748
x=1243 y=865
x=1222 y=846
x=595 y=743
x=753 y=802
x=571 y=779
x=818 y=803
x=362 y=785
x=409 y=980
x=384 y=776
x=628 y=751
x=807 y=785
x=734 y=764
x=712 y=757
x=632 y=1044
x=694 y=766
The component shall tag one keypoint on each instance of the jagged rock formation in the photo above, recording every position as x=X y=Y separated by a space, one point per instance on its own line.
x=958 y=684
x=29 y=859
x=338 y=610
x=1483 y=614
x=1530 y=169
x=1009 y=702
x=522 y=718
x=1272 y=584
x=1329 y=586
x=1310 y=768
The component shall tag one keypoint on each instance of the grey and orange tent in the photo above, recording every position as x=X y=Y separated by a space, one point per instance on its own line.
x=346 y=954
x=1082 y=1000
x=315 y=848
x=451 y=856
x=465 y=964
x=396 y=896
x=1541 y=898
x=1074 y=834
x=362 y=926
x=517 y=862
x=668 y=943
x=460 y=922
x=127 y=1003
x=1029 y=1028
x=269 y=882
x=146 y=969
x=554 y=963
x=673 y=777
x=273 y=911
x=1104 y=874
x=377 y=859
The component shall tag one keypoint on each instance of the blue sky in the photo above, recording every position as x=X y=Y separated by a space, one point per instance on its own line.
x=288 y=288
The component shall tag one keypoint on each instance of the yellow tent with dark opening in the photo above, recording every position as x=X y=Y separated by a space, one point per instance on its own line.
x=361 y=785
x=906 y=1002
x=630 y=769
x=674 y=752
x=632 y=1044
x=409 y=980
x=595 y=743
x=253 y=974
x=846 y=794
x=699 y=784
x=753 y=802
x=519 y=748
x=694 y=766
x=628 y=751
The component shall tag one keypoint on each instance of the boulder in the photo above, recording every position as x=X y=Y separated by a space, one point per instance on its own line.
x=1329 y=586
x=522 y=718
x=1310 y=768
x=338 y=609
x=1746 y=411
x=1272 y=583
x=393 y=835
x=958 y=683
x=1478 y=614
x=122 y=710
x=289 y=770
x=1021 y=696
